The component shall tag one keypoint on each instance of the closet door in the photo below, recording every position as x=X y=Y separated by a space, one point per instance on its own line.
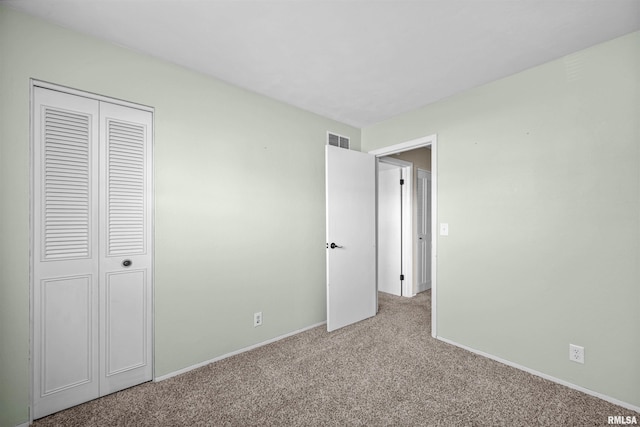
x=65 y=259
x=92 y=249
x=424 y=230
x=125 y=247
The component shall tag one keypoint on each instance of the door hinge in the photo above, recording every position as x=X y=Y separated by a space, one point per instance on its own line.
x=402 y=277
x=401 y=181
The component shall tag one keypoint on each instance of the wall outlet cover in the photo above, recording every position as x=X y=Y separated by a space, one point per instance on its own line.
x=576 y=353
x=257 y=319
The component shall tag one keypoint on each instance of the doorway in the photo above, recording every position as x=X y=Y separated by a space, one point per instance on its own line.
x=351 y=260
x=401 y=150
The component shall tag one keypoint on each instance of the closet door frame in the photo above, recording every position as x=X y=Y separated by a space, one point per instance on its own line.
x=33 y=84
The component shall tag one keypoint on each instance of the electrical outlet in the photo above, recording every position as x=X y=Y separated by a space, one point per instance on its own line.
x=257 y=319
x=576 y=353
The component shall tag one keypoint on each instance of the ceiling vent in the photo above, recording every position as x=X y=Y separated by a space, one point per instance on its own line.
x=337 y=140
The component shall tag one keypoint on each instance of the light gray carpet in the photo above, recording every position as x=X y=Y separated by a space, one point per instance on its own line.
x=385 y=371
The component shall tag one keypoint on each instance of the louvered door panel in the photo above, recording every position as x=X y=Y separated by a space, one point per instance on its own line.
x=65 y=235
x=125 y=188
x=66 y=184
x=424 y=230
x=125 y=258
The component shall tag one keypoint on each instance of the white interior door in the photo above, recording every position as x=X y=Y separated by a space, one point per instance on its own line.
x=424 y=230
x=65 y=260
x=91 y=211
x=125 y=249
x=389 y=228
x=351 y=236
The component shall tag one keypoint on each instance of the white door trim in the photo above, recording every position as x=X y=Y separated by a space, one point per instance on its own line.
x=426 y=141
x=407 y=222
x=90 y=95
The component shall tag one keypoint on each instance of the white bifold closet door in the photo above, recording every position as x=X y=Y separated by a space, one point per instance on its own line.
x=92 y=251
x=424 y=230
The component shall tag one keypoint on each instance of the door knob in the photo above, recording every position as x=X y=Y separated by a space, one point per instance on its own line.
x=126 y=263
x=333 y=246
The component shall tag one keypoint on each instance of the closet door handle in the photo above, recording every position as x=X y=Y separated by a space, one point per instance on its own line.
x=126 y=263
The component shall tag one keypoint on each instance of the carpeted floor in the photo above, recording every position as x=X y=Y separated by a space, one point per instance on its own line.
x=384 y=371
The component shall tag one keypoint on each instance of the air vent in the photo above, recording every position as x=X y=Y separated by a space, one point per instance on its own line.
x=337 y=140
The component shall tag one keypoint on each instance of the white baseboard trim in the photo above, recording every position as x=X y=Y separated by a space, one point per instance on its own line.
x=233 y=353
x=425 y=287
x=545 y=376
x=23 y=425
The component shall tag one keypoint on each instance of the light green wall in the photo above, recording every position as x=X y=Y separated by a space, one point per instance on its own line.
x=539 y=180
x=239 y=182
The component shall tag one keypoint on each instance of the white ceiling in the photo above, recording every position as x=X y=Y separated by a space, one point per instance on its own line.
x=359 y=62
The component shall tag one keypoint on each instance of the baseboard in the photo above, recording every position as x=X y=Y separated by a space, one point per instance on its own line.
x=424 y=287
x=233 y=353
x=23 y=425
x=545 y=376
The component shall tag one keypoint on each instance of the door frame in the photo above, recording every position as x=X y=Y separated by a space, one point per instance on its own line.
x=407 y=220
x=425 y=141
x=33 y=84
